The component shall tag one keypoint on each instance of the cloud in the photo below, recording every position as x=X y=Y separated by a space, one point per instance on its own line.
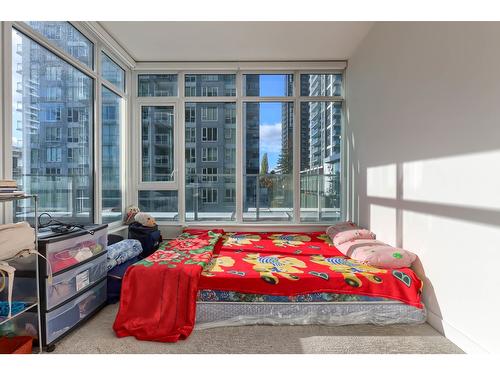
x=270 y=138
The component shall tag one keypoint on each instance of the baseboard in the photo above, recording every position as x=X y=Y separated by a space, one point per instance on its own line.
x=454 y=335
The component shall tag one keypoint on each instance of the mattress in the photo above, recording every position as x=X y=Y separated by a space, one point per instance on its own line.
x=227 y=314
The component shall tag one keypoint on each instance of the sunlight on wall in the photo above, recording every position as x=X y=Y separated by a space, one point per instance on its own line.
x=381 y=181
x=383 y=223
x=464 y=180
x=459 y=266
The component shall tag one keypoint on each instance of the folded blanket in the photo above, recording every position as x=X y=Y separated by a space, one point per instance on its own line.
x=158 y=297
x=122 y=251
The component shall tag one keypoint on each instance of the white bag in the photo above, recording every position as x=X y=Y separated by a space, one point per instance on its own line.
x=16 y=240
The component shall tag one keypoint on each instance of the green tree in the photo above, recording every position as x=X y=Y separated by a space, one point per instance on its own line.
x=283 y=162
x=264 y=164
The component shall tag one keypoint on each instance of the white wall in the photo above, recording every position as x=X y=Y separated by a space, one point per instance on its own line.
x=424 y=140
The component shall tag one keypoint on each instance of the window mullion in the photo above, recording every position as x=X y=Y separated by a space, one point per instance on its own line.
x=296 y=148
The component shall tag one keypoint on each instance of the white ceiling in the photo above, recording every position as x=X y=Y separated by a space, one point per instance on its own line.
x=237 y=41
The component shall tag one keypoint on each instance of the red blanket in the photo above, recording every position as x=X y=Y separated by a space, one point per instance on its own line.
x=158 y=298
x=300 y=263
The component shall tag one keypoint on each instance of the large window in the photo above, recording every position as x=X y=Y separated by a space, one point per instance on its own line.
x=209 y=176
x=268 y=178
x=110 y=159
x=44 y=121
x=157 y=124
x=320 y=161
x=258 y=147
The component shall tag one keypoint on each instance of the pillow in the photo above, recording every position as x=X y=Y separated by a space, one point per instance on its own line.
x=332 y=230
x=351 y=235
x=383 y=256
x=347 y=248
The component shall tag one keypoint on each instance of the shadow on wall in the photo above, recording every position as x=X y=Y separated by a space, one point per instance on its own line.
x=393 y=195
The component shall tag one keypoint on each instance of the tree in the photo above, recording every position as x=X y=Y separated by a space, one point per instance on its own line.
x=265 y=181
x=264 y=164
x=283 y=162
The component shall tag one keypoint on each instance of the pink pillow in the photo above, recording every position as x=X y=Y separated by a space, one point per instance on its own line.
x=347 y=248
x=384 y=256
x=332 y=230
x=351 y=235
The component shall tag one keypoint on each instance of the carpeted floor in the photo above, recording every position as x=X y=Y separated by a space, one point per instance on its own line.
x=97 y=336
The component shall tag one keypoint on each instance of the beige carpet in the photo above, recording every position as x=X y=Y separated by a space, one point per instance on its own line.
x=97 y=336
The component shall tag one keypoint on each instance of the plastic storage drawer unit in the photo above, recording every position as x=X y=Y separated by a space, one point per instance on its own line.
x=68 y=250
x=67 y=284
x=69 y=315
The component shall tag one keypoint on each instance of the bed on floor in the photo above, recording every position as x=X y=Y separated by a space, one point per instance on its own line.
x=211 y=279
x=300 y=278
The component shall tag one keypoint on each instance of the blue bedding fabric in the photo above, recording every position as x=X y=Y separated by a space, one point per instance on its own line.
x=229 y=296
x=122 y=251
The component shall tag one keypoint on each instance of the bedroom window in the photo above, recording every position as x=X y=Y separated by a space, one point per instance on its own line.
x=67 y=196
x=161 y=204
x=110 y=156
x=268 y=160
x=320 y=161
x=112 y=72
x=268 y=84
x=210 y=85
x=205 y=182
x=157 y=85
x=157 y=124
x=257 y=146
x=65 y=36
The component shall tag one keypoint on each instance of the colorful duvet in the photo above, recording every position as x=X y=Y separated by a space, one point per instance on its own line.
x=290 y=264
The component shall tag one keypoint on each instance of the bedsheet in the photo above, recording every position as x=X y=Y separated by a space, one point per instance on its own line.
x=230 y=296
x=289 y=264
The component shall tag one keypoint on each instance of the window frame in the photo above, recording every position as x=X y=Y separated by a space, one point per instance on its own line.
x=182 y=69
x=102 y=42
x=158 y=185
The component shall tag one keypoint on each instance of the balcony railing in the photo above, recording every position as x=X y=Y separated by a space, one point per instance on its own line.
x=65 y=197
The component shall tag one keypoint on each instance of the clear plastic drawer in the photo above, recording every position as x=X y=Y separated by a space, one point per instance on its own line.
x=67 y=316
x=67 y=284
x=66 y=253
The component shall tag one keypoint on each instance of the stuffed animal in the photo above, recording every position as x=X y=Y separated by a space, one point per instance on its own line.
x=131 y=211
x=145 y=219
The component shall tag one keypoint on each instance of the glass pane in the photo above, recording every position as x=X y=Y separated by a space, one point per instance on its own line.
x=267 y=181
x=320 y=161
x=210 y=161
x=68 y=38
x=110 y=139
x=321 y=84
x=162 y=205
x=157 y=85
x=51 y=130
x=157 y=143
x=268 y=84
x=210 y=85
x=112 y=72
